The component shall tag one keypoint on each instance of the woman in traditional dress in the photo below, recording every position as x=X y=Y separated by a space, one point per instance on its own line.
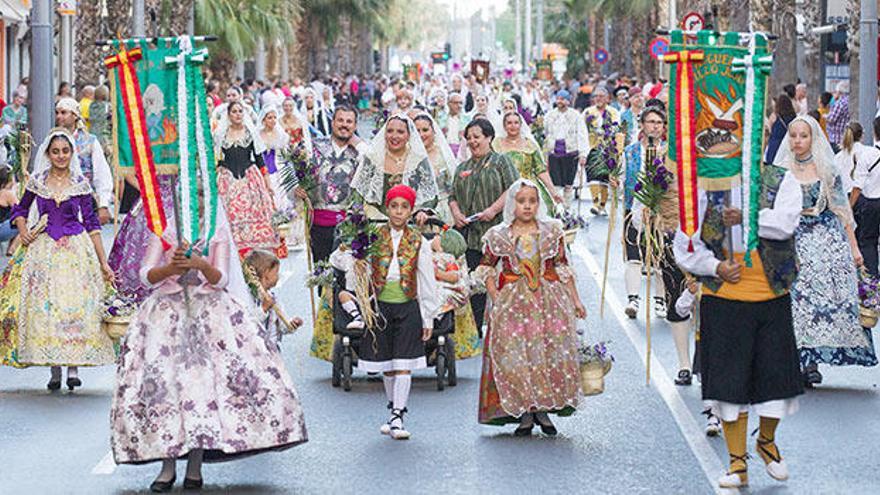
x=515 y=140
x=56 y=286
x=195 y=379
x=466 y=337
x=297 y=128
x=396 y=156
x=530 y=361
x=825 y=302
x=478 y=193
x=243 y=183
x=314 y=112
x=276 y=142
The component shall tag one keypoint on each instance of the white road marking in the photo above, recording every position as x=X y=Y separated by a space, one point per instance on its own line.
x=105 y=466
x=690 y=429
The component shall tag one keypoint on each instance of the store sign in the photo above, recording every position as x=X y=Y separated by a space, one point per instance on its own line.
x=66 y=7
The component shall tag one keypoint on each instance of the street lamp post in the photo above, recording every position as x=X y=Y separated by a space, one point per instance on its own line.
x=868 y=67
x=41 y=78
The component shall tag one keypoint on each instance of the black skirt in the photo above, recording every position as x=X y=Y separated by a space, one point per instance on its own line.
x=748 y=351
x=397 y=346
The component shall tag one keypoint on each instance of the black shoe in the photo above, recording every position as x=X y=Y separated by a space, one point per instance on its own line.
x=72 y=383
x=523 y=431
x=546 y=428
x=684 y=377
x=191 y=484
x=54 y=385
x=163 y=486
x=812 y=377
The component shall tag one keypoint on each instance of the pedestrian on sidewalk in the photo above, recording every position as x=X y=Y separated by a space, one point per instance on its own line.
x=530 y=357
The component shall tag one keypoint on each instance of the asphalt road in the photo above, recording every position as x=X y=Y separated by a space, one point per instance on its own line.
x=634 y=438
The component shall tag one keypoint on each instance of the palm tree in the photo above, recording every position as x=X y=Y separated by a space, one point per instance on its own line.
x=88 y=29
x=853 y=43
x=811 y=13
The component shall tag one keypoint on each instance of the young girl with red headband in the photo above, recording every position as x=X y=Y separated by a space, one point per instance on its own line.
x=403 y=277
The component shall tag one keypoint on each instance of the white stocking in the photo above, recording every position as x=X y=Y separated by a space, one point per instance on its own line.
x=402 y=384
x=632 y=277
x=681 y=332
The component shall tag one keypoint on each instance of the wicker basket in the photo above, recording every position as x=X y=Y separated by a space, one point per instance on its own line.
x=570 y=236
x=115 y=326
x=283 y=229
x=868 y=317
x=593 y=376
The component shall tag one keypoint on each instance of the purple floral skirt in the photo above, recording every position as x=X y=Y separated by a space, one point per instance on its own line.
x=206 y=381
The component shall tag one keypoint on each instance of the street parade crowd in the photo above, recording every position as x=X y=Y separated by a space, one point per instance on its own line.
x=457 y=210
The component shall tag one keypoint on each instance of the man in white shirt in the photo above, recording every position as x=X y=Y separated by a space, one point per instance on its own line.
x=567 y=143
x=455 y=122
x=865 y=200
x=91 y=157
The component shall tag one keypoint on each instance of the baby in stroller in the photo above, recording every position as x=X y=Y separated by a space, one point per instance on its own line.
x=342 y=260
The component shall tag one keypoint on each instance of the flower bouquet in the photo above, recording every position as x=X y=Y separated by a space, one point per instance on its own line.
x=322 y=276
x=302 y=172
x=116 y=314
x=281 y=223
x=869 y=295
x=571 y=223
x=595 y=362
x=360 y=235
x=537 y=129
x=651 y=187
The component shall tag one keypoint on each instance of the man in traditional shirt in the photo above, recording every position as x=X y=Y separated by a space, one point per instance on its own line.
x=566 y=142
x=337 y=157
x=606 y=141
x=90 y=154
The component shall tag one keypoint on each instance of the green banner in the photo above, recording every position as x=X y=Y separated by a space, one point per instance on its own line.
x=719 y=99
x=158 y=84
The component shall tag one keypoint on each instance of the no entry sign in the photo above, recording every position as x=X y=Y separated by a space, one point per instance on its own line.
x=658 y=47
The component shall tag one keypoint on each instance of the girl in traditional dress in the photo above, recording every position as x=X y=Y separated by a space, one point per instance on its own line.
x=56 y=286
x=530 y=360
x=402 y=275
x=194 y=378
x=825 y=302
x=314 y=113
x=450 y=270
x=516 y=141
x=243 y=183
x=276 y=141
x=397 y=156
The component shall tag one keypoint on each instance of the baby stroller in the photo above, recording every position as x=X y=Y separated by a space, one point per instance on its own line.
x=439 y=350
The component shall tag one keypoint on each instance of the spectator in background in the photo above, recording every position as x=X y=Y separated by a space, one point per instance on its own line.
x=801 y=104
x=824 y=108
x=88 y=96
x=8 y=200
x=780 y=119
x=838 y=117
x=16 y=113
x=100 y=118
x=64 y=91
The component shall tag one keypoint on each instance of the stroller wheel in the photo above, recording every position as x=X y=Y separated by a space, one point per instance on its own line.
x=346 y=371
x=441 y=371
x=336 y=377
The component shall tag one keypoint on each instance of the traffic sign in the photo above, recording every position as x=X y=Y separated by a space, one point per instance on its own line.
x=693 y=21
x=601 y=56
x=658 y=47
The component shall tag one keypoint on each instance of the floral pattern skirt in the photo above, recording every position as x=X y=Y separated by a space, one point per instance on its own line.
x=824 y=297
x=206 y=381
x=249 y=208
x=466 y=337
x=322 y=334
x=59 y=317
x=10 y=298
x=130 y=245
x=530 y=360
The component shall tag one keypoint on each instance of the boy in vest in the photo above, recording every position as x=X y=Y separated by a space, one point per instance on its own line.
x=403 y=279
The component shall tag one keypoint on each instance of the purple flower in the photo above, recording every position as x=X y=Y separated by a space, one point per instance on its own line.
x=638 y=187
x=661 y=170
x=356 y=246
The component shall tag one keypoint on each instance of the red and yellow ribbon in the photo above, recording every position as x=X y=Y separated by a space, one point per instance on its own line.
x=144 y=166
x=685 y=145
